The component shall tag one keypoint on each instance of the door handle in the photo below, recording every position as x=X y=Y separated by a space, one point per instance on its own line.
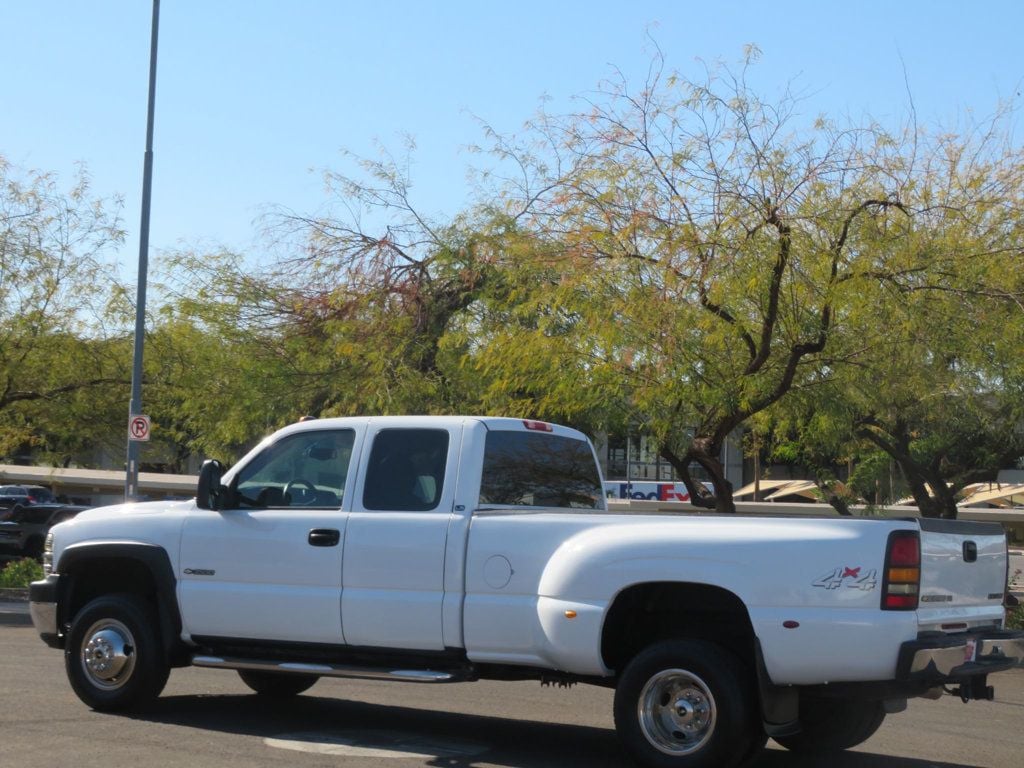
x=970 y=552
x=324 y=537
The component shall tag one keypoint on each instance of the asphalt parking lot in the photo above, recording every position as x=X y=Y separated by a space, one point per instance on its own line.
x=208 y=718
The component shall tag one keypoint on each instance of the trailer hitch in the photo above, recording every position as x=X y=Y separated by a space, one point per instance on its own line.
x=974 y=689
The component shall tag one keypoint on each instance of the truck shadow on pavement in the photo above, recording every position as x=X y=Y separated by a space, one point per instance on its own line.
x=328 y=726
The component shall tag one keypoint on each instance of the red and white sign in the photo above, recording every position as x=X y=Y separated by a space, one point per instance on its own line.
x=138 y=427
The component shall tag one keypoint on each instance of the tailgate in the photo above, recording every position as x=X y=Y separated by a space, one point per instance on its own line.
x=963 y=573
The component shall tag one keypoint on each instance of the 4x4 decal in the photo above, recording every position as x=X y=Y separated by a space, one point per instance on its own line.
x=844 y=576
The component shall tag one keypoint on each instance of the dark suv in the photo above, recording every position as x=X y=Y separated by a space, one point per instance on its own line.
x=11 y=495
x=25 y=527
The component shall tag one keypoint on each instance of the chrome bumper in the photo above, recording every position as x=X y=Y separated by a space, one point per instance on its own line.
x=43 y=602
x=955 y=657
x=44 y=617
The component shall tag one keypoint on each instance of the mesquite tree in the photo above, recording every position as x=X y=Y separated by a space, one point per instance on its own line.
x=714 y=249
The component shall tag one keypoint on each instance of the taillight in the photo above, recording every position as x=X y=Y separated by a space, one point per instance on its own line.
x=902 y=581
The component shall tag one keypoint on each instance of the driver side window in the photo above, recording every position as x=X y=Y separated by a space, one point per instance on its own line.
x=306 y=470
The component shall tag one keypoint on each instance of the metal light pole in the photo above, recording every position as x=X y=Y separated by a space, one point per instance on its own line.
x=131 y=483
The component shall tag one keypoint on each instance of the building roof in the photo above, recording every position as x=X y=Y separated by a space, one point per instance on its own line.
x=766 y=485
x=95 y=480
x=996 y=493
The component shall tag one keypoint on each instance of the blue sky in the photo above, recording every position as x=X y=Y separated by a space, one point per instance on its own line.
x=254 y=98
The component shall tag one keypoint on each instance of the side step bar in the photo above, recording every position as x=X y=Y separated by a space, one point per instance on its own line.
x=332 y=670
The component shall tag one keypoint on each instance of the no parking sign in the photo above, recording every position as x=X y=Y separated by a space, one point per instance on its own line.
x=138 y=427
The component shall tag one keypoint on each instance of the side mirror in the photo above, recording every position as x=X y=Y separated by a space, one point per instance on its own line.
x=211 y=493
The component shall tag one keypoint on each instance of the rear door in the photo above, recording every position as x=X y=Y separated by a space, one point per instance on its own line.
x=393 y=582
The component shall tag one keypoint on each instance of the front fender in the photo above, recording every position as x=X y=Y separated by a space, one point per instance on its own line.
x=114 y=567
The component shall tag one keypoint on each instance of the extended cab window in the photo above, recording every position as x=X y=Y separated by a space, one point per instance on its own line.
x=536 y=469
x=406 y=470
x=308 y=469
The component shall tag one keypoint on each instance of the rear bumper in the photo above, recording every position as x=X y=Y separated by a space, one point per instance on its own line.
x=937 y=659
x=42 y=607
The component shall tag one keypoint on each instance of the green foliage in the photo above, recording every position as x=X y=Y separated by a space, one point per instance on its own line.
x=683 y=259
x=1015 y=617
x=60 y=364
x=341 y=322
x=871 y=474
x=20 y=573
x=706 y=256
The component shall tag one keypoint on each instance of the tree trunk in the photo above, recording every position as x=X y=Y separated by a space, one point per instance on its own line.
x=838 y=503
x=940 y=503
x=708 y=459
x=757 y=473
x=945 y=497
x=704 y=452
x=699 y=495
x=943 y=503
x=925 y=503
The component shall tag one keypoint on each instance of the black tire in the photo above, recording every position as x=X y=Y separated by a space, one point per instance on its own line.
x=277 y=685
x=687 y=704
x=758 y=738
x=113 y=657
x=832 y=725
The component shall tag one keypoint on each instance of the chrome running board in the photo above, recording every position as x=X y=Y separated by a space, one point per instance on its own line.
x=330 y=670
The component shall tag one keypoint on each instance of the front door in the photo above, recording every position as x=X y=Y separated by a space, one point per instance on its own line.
x=269 y=567
x=393 y=585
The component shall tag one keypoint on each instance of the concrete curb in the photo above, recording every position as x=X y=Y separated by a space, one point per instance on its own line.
x=14 y=614
x=14 y=608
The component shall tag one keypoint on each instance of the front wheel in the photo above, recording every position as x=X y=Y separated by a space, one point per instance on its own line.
x=685 y=704
x=832 y=725
x=277 y=685
x=113 y=658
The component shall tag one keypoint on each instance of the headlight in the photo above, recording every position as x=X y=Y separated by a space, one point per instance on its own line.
x=48 y=555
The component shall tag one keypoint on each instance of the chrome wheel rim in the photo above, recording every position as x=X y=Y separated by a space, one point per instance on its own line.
x=677 y=712
x=108 y=654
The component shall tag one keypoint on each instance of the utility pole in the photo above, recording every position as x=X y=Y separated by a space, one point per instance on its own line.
x=135 y=434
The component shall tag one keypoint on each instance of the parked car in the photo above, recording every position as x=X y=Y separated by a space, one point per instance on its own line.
x=25 y=529
x=13 y=495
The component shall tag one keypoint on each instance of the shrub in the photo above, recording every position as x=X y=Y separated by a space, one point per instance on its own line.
x=1015 y=617
x=20 y=573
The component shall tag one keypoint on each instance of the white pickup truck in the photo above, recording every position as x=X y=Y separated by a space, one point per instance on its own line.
x=446 y=549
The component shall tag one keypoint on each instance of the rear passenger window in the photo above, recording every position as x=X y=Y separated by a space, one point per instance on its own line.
x=532 y=469
x=406 y=470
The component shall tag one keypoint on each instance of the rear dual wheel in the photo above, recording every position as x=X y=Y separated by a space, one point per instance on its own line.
x=832 y=725
x=687 y=704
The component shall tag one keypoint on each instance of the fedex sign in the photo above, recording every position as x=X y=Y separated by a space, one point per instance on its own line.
x=649 y=491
